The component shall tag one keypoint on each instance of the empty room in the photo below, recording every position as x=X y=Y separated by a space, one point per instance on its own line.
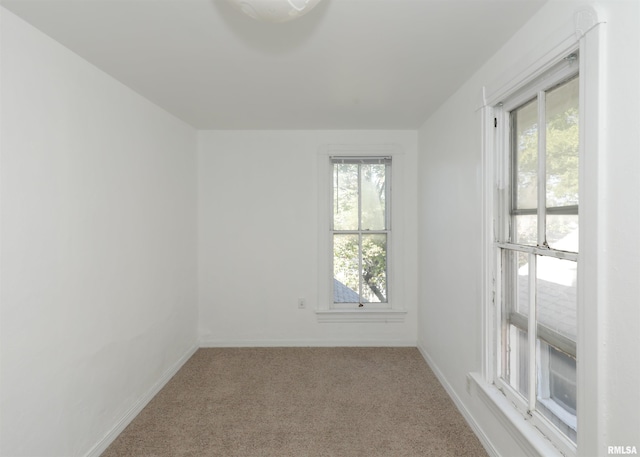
x=319 y=228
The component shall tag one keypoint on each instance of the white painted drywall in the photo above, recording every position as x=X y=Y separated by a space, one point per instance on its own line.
x=449 y=329
x=258 y=239
x=98 y=237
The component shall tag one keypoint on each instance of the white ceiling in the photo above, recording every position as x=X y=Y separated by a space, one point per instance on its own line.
x=348 y=64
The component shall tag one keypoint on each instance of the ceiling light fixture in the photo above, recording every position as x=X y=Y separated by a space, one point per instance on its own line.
x=274 y=10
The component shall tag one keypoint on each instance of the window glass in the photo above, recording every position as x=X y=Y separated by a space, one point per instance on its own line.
x=525 y=126
x=373 y=197
x=360 y=229
x=562 y=232
x=557 y=295
x=562 y=166
x=374 y=268
x=562 y=144
x=556 y=396
x=346 y=267
x=345 y=196
x=516 y=301
x=525 y=229
x=518 y=361
x=524 y=122
x=522 y=284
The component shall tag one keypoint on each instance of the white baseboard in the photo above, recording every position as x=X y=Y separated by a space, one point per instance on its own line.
x=213 y=343
x=477 y=429
x=139 y=405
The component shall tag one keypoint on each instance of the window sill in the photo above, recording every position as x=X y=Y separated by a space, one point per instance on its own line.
x=360 y=315
x=529 y=437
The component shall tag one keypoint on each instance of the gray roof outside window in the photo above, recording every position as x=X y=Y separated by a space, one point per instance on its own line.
x=343 y=294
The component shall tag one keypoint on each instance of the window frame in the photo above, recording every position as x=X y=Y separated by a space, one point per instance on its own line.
x=394 y=310
x=563 y=71
x=585 y=31
x=387 y=231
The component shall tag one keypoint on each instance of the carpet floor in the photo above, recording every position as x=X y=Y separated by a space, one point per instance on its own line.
x=300 y=402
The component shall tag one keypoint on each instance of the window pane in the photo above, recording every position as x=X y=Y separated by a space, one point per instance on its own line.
x=374 y=268
x=373 y=196
x=516 y=310
x=345 y=196
x=562 y=232
x=517 y=357
x=562 y=379
x=556 y=295
x=562 y=144
x=556 y=396
x=525 y=229
x=522 y=284
x=525 y=160
x=516 y=279
x=345 y=269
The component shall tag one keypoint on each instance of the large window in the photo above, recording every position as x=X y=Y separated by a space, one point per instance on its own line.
x=360 y=226
x=537 y=246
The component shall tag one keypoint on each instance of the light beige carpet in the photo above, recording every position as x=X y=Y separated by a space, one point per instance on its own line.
x=300 y=402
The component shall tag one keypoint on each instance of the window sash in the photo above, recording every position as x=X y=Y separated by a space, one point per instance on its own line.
x=544 y=333
x=561 y=210
x=360 y=232
x=387 y=189
x=360 y=160
x=538 y=93
x=539 y=250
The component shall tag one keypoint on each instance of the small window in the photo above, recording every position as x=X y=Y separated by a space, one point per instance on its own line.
x=360 y=226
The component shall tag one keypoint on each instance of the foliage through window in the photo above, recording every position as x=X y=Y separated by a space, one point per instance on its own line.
x=361 y=229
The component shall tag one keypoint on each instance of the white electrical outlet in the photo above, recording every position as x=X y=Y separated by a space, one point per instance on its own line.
x=301 y=303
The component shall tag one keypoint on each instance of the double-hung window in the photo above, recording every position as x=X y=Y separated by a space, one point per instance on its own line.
x=361 y=231
x=537 y=248
x=362 y=267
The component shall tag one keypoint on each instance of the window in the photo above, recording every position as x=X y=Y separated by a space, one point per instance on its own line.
x=360 y=229
x=541 y=313
x=362 y=267
x=537 y=248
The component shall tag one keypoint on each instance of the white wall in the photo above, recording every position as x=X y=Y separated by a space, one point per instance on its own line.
x=620 y=226
x=98 y=238
x=258 y=239
x=449 y=329
x=98 y=250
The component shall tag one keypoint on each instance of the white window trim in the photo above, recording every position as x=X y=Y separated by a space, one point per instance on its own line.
x=585 y=35
x=394 y=311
